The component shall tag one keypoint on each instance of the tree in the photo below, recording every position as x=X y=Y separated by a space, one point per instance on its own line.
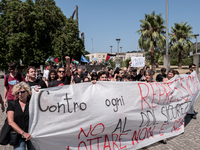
x=180 y=40
x=32 y=31
x=152 y=34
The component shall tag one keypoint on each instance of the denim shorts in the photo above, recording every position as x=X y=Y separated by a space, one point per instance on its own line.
x=22 y=145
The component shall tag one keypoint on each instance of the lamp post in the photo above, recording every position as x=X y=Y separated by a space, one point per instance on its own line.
x=167 y=57
x=118 y=61
x=111 y=49
x=120 y=49
x=118 y=40
x=196 y=56
x=196 y=40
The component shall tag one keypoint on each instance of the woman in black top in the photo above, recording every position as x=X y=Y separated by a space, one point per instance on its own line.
x=18 y=115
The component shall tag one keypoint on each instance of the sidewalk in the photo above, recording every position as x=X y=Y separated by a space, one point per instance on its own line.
x=190 y=140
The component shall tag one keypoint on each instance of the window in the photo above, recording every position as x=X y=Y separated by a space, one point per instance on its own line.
x=92 y=56
x=103 y=56
x=99 y=56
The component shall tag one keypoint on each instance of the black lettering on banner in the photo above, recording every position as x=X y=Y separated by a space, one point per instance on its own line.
x=68 y=103
x=119 y=126
x=116 y=102
x=82 y=106
x=173 y=112
x=150 y=118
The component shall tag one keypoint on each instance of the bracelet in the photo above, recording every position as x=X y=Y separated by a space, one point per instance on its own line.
x=22 y=133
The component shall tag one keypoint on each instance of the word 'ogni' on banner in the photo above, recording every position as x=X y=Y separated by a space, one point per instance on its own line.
x=110 y=115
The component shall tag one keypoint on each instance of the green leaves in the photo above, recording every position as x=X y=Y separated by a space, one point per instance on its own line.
x=33 y=31
x=180 y=39
x=151 y=33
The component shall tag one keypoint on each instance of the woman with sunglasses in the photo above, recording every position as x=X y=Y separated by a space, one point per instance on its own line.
x=18 y=115
x=64 y=75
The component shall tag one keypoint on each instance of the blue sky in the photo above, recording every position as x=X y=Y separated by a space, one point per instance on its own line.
x=107 y=20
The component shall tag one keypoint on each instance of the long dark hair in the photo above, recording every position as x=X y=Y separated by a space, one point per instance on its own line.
x=49 y=76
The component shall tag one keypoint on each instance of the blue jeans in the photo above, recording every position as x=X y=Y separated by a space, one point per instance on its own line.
x=22 y=145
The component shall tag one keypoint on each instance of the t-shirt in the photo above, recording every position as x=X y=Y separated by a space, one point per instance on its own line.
x=160 y=77
x=77 y=79
x=46 y=74
x=136 y=78
x=187 y=73
x=65 y=81
x=20 y=118
x=37 y=84
x=10 y=83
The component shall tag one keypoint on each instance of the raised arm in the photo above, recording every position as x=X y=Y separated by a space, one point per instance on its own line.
x=67 y=66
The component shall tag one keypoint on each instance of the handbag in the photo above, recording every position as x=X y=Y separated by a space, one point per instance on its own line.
x=14 y=138
x=5 y=133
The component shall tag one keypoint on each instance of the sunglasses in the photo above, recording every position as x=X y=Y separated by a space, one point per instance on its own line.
x=17 y=93
x=61 y=71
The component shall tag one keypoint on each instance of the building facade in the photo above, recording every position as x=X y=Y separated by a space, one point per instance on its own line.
x=122 y=56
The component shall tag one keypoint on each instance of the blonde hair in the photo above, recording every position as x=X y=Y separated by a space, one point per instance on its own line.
x=20 y=85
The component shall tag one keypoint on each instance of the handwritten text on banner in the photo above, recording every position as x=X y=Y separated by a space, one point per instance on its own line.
x=110 y=115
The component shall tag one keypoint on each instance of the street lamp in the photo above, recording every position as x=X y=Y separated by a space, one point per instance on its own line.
x=118 y=61
x=111 y=49
x=196 y=40
x=118 y=47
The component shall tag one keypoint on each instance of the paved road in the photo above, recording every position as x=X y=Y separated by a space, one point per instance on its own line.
x=190 y=140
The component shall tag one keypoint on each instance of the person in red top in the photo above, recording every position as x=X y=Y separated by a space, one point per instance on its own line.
x=10 y=80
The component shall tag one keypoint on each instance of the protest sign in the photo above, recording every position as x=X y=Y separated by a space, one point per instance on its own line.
x=110 y=115
x=137 y=61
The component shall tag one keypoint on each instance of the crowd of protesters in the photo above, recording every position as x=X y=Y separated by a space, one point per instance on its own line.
x=16 y=86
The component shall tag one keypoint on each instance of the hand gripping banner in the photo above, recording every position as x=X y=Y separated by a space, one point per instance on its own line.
x=110 y=115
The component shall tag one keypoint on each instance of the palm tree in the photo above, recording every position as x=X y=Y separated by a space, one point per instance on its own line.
x=180 y=40
x=152 y=34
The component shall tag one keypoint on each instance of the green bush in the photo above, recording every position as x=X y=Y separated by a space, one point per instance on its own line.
x=185 y=62
x=174 y=62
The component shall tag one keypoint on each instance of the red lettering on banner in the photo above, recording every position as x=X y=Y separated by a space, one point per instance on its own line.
x=180 y=92
x=153 y=96
x=106 y=146
x=114 y=141
x=162 y=128
x=84 y=145
x=95 y=127
x=97 y=138
x=168 y=84
x=91 y=131
x=120 y=140
x=86 y=135
x=143 y=97
x=167 y=93
x=183 y=87
x=177 y=123
x=137 y=134
x=160 y=94
x=188 y=84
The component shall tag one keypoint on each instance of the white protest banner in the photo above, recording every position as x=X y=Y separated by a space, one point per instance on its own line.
x=110 y=115
x=137 y=61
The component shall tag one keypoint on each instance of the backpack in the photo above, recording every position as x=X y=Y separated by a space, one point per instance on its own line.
x=19 y=74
